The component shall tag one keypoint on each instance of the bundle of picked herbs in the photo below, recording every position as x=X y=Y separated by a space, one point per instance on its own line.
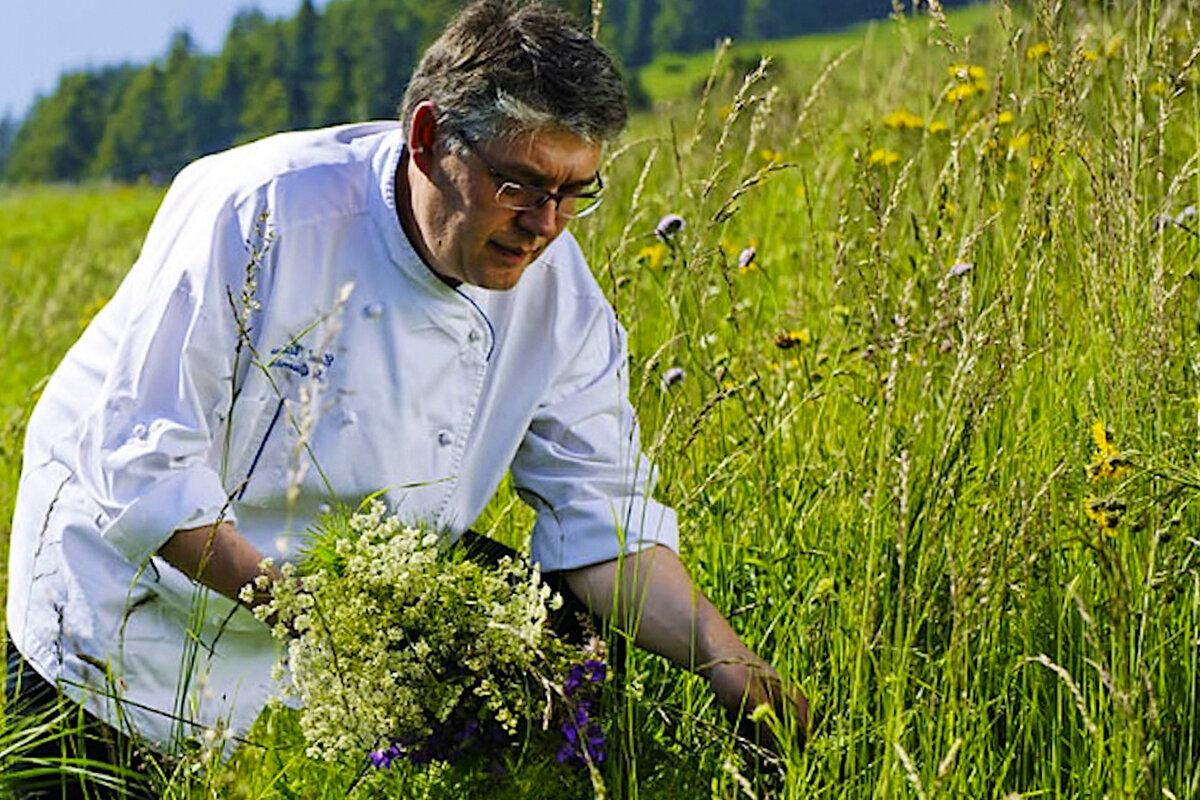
x=401 y=649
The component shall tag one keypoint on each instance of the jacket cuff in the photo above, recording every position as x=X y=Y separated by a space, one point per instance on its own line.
x=591 y=533
x=186 y=499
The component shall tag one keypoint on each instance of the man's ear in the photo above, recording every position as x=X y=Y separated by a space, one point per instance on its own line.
x=422 y=135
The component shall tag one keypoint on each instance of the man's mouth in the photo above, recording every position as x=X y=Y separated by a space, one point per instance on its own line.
x=512 y=254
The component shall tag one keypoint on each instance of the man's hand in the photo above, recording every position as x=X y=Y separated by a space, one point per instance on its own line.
x=651 y=594
x=744 y=685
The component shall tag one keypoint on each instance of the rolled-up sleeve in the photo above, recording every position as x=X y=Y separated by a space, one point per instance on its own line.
x=580 y=465
x=148 y=453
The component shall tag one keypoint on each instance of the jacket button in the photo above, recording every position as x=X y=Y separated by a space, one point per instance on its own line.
x=445 y=438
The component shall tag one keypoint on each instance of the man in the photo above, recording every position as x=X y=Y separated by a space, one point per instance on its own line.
x=322 y=315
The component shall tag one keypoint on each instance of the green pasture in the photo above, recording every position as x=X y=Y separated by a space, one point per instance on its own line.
x=936 y=448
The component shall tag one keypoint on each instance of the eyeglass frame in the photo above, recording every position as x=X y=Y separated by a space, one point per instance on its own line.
x=545 y=194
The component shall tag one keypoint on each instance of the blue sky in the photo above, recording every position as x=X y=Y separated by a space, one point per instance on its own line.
x=39 y=39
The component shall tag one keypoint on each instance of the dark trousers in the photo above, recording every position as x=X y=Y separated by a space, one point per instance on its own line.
x=69 y=753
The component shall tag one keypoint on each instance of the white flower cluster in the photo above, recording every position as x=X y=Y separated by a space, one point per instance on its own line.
x=388 y=635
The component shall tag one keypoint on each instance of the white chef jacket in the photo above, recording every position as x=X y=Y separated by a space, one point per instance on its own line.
x=357 y=372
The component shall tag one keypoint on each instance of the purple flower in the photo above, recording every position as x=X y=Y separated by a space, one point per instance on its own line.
x=382 y=759
x=668 y=226
x=596 y=670
x=1161 y=221
x=746 y=257
x=1187 y=213
x=574 y=680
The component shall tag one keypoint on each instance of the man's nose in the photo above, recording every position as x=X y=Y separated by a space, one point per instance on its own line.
x=542 y=221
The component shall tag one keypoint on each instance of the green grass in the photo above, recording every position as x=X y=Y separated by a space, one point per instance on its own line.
x=894 y=509
x=674 y=77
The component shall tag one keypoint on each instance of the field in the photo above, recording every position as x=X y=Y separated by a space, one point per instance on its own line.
x=936 y=444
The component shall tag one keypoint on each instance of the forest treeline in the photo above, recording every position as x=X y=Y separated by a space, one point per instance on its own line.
x=347 y=61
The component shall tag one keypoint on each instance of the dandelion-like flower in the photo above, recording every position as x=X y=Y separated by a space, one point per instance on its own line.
x=651 y=255
x=903 y=120
x=883 y=157
x=1036 y=51
x=786 y=340
x=672 y=376
x=669 y=226
x=1105 y=513
x=1106 y=461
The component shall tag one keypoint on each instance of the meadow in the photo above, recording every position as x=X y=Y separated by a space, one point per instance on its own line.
x=921 y=372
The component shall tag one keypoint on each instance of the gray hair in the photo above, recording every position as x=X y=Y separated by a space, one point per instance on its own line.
x=505 y=67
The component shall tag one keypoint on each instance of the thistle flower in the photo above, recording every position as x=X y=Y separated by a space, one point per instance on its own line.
x=672 y=376
x=668 y=226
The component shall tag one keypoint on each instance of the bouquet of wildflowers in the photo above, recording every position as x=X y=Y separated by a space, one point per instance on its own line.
x=402 y=650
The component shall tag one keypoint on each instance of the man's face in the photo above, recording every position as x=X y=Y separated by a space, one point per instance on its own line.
x=472 y=237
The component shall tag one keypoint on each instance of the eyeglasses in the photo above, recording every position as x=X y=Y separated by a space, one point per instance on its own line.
x=517 y=196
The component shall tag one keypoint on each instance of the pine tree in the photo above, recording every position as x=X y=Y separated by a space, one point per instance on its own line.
x=8 y=131
x=334 y=97
x=58 y=140
x=300 y=76
x=184 y=105
x=138 y=134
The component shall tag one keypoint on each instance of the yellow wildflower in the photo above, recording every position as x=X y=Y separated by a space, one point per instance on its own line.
x=786 y=340
x=1113 y=48
x=903 y=119
x=937 y=126
x=1106 y=460
x=981 y=87
x=1004 y=118
x=1018 y=142
x=967 y=72
x=1036 y=51
x=770 y=156
x=951 y=209
x=801 y=192
x=1157 y=87
x=1091 y=55
x=1105 y=513
x=883 y=156
x=956 y=94
x=652 y=255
